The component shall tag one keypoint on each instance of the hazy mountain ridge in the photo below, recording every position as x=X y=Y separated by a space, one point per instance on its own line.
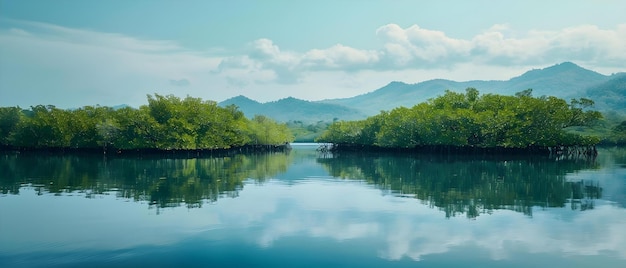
x=561 y=80
x=397 y=94
x=566 y=80
x=290 y=108
x=610 y=95
x=248 y=106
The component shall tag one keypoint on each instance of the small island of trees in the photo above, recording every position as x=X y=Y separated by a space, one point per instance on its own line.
x=470 y=122
x=167 y=123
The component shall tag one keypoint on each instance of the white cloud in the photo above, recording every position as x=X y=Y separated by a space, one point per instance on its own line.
x=77 y=67
x=94 y=38
x=265 y=49
x=21 y=32
x=588 y=43
x=416 y=48
x=339 y=57
x=413 y=46
x=180 y=82
x=421 y=45
x=584 y=44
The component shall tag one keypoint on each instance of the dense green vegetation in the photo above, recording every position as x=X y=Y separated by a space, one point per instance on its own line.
x=472 y=120
x=610 y=129
x=166 y=123
x=304 y=132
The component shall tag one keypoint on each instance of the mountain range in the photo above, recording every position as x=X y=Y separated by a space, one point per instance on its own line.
x=288 y=109
x=566 y=80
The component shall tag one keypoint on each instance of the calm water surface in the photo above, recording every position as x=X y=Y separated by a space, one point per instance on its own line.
x=305 y=209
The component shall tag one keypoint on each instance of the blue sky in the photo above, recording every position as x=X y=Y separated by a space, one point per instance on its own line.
x=75 y=53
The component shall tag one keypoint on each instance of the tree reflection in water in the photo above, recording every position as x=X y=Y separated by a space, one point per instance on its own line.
x=473 y=185
x=161 y=182
x=458 y=185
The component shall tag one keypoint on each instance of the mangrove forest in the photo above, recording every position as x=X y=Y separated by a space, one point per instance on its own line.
x=473 y=122
x=165 y=123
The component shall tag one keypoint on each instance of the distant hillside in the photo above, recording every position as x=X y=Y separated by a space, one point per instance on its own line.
x=247 y=106
x=610 y=95
x=289 y=109
x=397 y=94
x=121 y=106
x=562 y=80
x=565 y=80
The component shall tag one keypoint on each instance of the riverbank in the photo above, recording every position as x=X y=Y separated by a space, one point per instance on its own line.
x=587 y=151
x=184 y=153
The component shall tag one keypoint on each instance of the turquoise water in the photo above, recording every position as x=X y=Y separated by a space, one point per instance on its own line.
x=306 y=209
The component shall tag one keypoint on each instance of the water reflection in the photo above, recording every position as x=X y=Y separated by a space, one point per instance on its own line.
x=458 y=185
x=474 y=185
x=303 y=210
x=161 y=182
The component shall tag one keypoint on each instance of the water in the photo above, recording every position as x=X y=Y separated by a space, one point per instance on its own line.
x=304 y=209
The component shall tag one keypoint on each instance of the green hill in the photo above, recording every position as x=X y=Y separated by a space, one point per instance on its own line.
x=565 y=80
x=610 y=95
x=290 y=109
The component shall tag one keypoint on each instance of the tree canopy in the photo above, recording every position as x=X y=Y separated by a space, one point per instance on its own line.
x=472 y=120
x=167 y=123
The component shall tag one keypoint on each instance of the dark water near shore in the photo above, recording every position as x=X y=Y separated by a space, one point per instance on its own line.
x=306 y=209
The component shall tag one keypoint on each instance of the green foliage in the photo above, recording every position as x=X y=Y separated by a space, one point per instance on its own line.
x=47 y=126
x=167 y=122
x=191 y=123
x=606 y=128
x=345 y=132
x=10 y=117
x=469 y=119
x=264 y=130
x=307 y=132
x=618 y=134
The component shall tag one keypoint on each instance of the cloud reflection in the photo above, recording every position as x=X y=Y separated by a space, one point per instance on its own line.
x=342 y=211
x=405 y=228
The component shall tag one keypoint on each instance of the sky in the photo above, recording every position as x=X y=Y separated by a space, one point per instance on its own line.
x=72 y=53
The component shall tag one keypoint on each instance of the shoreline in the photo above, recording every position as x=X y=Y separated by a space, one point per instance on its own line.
x=587 y=151
x=189 y=153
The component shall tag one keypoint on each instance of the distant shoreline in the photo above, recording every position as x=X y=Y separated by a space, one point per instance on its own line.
x=153 y=151
x=590 y=151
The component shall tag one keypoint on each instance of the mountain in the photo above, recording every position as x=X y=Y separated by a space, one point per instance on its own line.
x=561 y=80
x=397 y=94
x=294 y=109
x=248 y=106
x=566 y=80
x=121 y=106
x=610 y=95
